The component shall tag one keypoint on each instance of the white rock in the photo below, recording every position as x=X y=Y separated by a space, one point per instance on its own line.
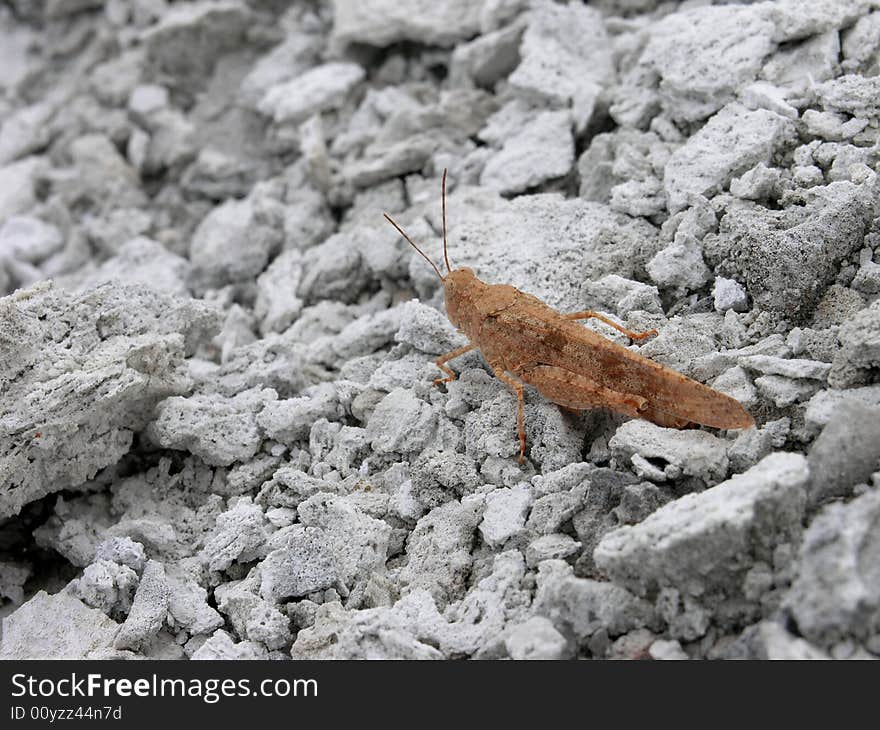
x=220 y=430
x=29 y=239
x=303 y=565
x=148 y=610
x=401 y=423
x=703 y=55
x=554 y=546
x=679 y=266
x=733 y=140
x=541 y=150
x=566 y=57
x=18 y=186
x=729 y=294
x=681 y=453
x=55 y=627
x=757 y=183
x=699 y=543
x=383 y=22
x=835 y=594
x=536 y=639
x=505 y=514
x=663 y=649
x=318 y=89
x=822 y=405
x=25 y=130
x=277 y=304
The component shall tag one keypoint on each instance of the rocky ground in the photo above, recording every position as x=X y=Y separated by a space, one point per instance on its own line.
x=219 y=437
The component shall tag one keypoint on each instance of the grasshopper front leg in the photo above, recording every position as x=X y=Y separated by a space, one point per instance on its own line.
x=590 y=314
x=441 y=361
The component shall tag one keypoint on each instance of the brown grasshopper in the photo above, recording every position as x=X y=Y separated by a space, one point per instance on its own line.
x=526 y=341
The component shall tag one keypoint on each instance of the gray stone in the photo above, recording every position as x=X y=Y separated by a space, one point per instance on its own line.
x=268 y=626
x=582 y=241
x=758 y=183
x=333 y=270
x=18 y=186
x=304 y=565
x=401 y=423
x=675 y=453
x=787 y=367
x=318 y=89
x=383 y=22
x=836 y=592
x=357 y=542
x=821 y=406
x=55 y=627
x=580 y=607
x=189 y=39
x=439 y=551
x=108 y=586
x=148 y=610
x=680 y=267
x=222 y=646
x=25 y=131
x=13 y=576
x=219 y=430
x=754 y=444
x=846 y=453
x=62 y=420
x=666 y=650
x=729 y=294
x=145 y=262
x=783 y=392
x=859 y=355
x=292 y=419
x=277 y=304
x=541 y=150
x=703 y=545
x=566 y=58
x=550 y=512
x=703 y=55
x=99 y=177
x=625 y=295
x=852 y=94
x=505 y=514
x=554 y=546
x=764 y=95
x=234 y=242
x=536 y=639
x=427 y=330
x=859 y=44
x=239 y=534
x=769 y=640
x=787 y=258
x=487 y=59
x=29 y=239
x=737 y=383
x=731 y=142
x=188 y=607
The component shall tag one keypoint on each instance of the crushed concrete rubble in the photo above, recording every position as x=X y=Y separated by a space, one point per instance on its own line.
x=220 y=435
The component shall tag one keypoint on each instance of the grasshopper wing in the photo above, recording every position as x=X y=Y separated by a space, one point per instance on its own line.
x=531 y=333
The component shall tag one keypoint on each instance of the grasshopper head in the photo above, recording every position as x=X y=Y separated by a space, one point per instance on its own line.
x=456 y=285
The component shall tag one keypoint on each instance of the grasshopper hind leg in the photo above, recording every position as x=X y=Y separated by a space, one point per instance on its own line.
x=576 y=392
x=590 y=314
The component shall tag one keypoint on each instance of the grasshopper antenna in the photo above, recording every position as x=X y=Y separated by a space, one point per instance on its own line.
x=443 y=197
x=411 y=243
